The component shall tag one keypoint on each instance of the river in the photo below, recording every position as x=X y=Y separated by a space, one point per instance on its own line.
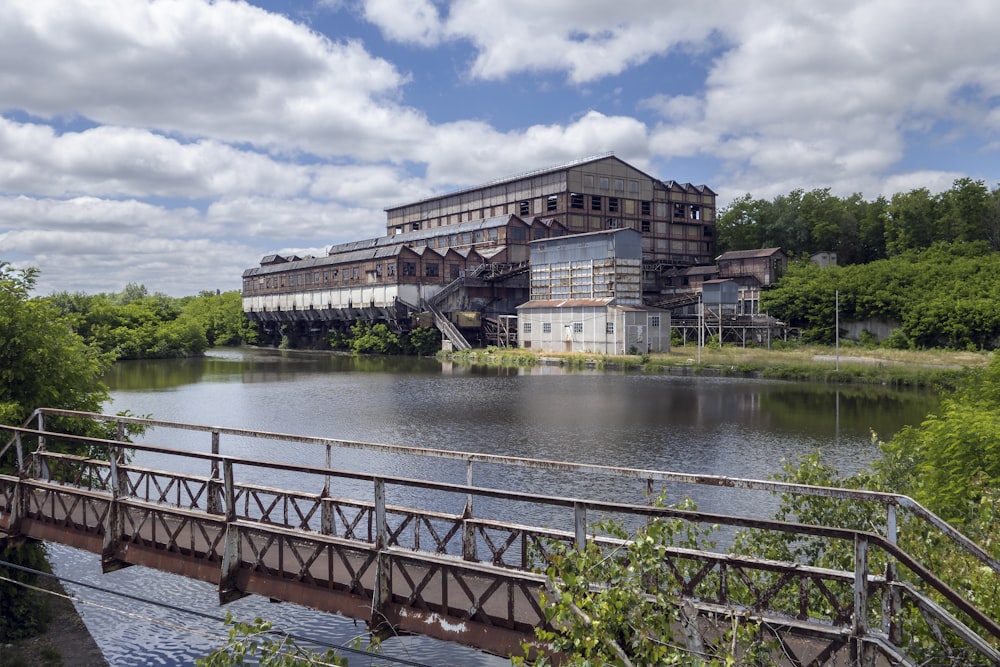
x=733 y=427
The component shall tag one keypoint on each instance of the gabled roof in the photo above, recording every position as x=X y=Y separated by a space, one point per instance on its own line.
x=423 y=234
x=325 y=262
x=748 y=254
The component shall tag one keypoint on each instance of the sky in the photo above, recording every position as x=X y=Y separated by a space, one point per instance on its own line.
x=174 y=143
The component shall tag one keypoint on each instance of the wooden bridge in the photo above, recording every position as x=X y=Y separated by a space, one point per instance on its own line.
x=454 y=559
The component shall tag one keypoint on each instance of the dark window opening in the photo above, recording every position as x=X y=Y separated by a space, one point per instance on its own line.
x=552 y=203
x=524 y=208
x=575 y=200
x=612 y=204
x=645 y=208
x=595 y=203
x=645 y=226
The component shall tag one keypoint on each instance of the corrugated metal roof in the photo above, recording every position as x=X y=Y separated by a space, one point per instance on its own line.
x=747 y=254
x=319 y=262
x=567 y=303
x=423 y=234
x=587 y=303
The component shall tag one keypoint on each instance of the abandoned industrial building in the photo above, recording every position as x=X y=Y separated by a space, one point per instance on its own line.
x=542 y=247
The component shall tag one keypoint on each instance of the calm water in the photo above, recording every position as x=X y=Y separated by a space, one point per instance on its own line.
x=738 y=428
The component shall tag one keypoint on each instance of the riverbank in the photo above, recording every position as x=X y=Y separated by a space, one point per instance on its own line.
x=66 y=643
x=899 y=368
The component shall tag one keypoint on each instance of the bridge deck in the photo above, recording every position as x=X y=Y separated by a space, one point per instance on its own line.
x=450 y=575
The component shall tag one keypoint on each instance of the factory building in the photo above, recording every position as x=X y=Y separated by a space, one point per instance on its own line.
x=464 y=256
x=676 y=220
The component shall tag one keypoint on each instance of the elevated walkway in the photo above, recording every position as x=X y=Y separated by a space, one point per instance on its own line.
x=458 y=560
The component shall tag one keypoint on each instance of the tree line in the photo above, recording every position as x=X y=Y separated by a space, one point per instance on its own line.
x=861 y=231
x=134 y=324
x=943 y=296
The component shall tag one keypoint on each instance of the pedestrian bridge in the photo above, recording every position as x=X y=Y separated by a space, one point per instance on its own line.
x=454 y=552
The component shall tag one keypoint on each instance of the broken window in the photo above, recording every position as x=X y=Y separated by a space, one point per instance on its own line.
x=645 y=208
x=612 y=204
x=575 y=200
x=552 y=203
x=524 y=208
x=595 y=203
x=431 y=270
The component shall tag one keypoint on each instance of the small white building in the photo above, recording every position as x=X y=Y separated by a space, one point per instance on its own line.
x=586 y=296
x=595 y=326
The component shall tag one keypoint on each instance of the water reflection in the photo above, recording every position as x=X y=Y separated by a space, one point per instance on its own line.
x=733 y=427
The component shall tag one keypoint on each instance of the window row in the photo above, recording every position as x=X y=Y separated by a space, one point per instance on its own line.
x=609 y=327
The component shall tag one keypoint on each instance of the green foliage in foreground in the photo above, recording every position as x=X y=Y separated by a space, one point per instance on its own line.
x=617 y=603
x=257 y=644
x=134 y=324
x=945 y=296
x=43 y=363
x=950 y=463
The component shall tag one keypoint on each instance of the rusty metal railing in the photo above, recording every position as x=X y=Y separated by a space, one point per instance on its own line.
x=236 y=532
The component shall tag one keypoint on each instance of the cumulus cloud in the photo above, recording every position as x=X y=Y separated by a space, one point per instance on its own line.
x=204 y=135
x=414 y=21
x=226 y=70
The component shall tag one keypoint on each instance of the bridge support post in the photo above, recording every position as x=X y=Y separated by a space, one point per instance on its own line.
x=327 y=526
x=114 y=522
x=381 y=626
x=468 y=529
x=859 y=631
x=232 y=557
x=213 y=503
x=19 y=503
x=580 y=525
x=891 y=600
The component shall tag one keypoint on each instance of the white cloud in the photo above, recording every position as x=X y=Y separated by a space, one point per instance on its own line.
x=588 y=39
x=414 y=21
x=190 y=138
x=225 y=70
x=124 y=162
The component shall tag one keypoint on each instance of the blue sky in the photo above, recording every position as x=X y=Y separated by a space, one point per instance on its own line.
x=174 y=143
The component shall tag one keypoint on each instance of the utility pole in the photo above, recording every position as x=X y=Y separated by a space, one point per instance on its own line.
x=836 y=320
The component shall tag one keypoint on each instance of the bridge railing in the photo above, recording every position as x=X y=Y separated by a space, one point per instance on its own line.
x=861 y=603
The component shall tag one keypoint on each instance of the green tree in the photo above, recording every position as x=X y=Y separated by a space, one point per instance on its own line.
x=425 y=341
x=43 y=363
x=374 y=339
x=221 y=317
x=739 y=225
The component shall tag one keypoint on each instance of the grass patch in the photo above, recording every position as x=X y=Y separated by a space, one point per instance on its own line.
x=899 y=368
